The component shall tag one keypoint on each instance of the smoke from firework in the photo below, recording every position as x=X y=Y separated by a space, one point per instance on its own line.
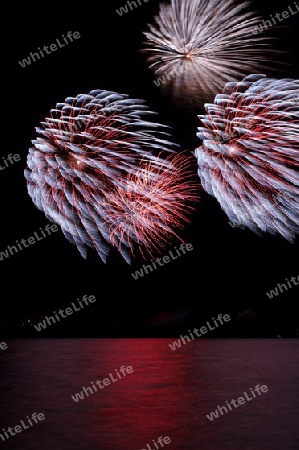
x=87 y=150
x=196 y=46
x=249 y=158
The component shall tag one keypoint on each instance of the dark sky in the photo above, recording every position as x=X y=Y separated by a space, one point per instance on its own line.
x=226 y=267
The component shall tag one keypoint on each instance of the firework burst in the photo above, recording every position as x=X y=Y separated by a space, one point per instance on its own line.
x=249 y=158
x=152 y=204
x=196 y=46
x=87 y=149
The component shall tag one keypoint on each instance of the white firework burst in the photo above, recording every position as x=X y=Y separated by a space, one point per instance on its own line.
x=196 y=46
x=249 y=157
x=85 y=151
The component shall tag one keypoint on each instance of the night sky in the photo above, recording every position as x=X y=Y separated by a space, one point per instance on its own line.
x=229 y=267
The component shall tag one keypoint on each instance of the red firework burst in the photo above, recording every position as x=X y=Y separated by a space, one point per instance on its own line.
x=153 y=202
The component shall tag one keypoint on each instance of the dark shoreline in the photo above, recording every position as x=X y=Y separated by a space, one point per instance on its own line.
x=234 y=332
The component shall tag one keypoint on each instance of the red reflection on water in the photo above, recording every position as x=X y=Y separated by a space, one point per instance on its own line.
x=143 y=402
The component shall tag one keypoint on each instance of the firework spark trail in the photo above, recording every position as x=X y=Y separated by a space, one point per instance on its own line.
x=214 y=38
x=151 y=205
x=249 y=158
x=87 y=149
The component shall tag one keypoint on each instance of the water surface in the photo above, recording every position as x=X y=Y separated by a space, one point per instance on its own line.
x=168 y=394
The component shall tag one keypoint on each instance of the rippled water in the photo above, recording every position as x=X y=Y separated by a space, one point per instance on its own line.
x=169 y=393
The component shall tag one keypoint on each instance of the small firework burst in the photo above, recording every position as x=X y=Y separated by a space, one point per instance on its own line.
x=249 y=157
x=152 y=205
x=196 y=46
